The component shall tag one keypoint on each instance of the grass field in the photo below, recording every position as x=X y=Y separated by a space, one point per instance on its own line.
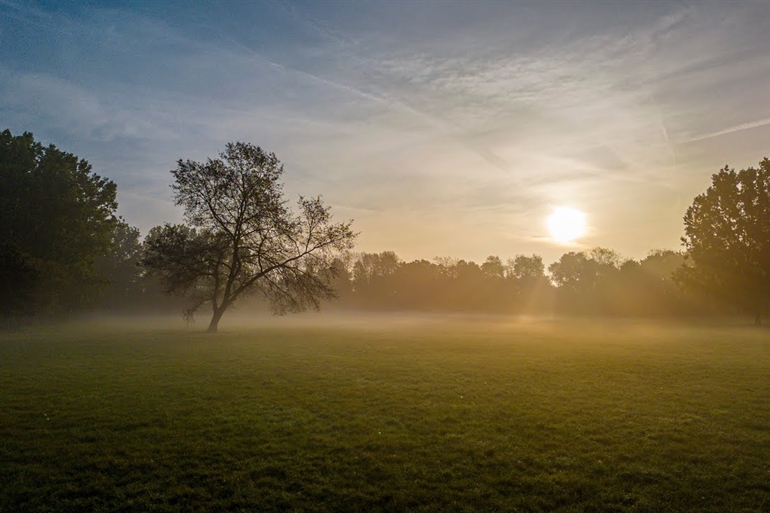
x=387 y=415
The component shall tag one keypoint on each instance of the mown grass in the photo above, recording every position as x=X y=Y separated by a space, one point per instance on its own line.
x=441 y=415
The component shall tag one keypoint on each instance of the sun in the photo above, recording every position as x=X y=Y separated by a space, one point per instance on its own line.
x=566 y=224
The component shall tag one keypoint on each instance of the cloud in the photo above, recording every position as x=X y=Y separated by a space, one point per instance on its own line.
x=730 y=130
x=485 y=116
x=64 y=105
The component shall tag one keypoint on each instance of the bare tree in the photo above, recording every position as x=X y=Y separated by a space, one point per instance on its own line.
x=241 y=237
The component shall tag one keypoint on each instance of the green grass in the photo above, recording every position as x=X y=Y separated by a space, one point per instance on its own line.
x=441 y=415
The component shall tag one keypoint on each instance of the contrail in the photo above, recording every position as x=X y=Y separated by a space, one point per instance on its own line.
x=480 y=150
x=736 y=128
x=305 y=74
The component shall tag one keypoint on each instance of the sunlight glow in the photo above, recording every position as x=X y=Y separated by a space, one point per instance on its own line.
x=566 y=224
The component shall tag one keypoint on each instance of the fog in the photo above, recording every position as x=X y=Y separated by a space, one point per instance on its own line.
x=242 y=322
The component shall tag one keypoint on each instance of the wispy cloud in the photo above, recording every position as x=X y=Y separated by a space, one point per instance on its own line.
x=483 y=117
x=730 y=130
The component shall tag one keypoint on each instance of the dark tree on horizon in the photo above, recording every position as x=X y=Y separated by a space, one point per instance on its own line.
x=242 y=238
x=727 y=237
x=124 y=287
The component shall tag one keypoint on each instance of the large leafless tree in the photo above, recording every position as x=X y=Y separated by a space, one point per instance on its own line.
x=241 y=237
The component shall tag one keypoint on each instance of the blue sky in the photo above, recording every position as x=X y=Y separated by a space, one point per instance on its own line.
x=443 y=128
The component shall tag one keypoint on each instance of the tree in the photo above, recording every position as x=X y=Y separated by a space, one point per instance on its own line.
x=662 y=263
x=17 y=279
x=608 y=260
x=727 y=238
x=533 y=289
x=586 y=279
x=493 y=268
x=527 y=267
x=372 y=278
x=56 y=218
x=343 y=281
x=574 y=271
x=120 y=268
x=241 y=237
x=416 y=285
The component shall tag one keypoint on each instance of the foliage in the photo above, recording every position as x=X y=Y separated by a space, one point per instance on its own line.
x=596 y=282
x=524 y=267
x=241 y=237
x=17 y=279
x=574 y=271
x=56 y=218
x=493 y=267
x=727 y=237
x=125 y=284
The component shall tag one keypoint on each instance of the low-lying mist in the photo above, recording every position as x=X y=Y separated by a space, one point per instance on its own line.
x=243 y=321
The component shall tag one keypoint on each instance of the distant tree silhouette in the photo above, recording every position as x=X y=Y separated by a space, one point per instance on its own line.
x=662 y=263
x=607 y=260
x=120 y=268
x=372 y=281
x=342 y=281
x=575 y=274
x=417 y=285
x=493 y=267
x=727 y=237
x=533 y=291
x=587 y=280
x=597 y=281
x=646 y=287
x=527 y=267
x=241 y=237
x=126 y=286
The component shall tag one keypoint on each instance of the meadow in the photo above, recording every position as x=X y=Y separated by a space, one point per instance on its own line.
x=386 y=414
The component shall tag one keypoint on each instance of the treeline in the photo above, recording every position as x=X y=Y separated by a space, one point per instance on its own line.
x=594 y=282
x=64 y=250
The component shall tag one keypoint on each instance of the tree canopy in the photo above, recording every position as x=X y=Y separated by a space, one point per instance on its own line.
x=56 y=218
x=727 y=237
x=241 y=237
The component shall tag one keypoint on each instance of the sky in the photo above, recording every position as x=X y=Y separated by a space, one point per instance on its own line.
x=441 y=128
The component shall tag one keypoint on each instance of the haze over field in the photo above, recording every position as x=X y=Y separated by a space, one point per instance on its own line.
x=442 y=128
x=395 y=414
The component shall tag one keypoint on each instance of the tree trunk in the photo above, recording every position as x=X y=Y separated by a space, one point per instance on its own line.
x=214 y=324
